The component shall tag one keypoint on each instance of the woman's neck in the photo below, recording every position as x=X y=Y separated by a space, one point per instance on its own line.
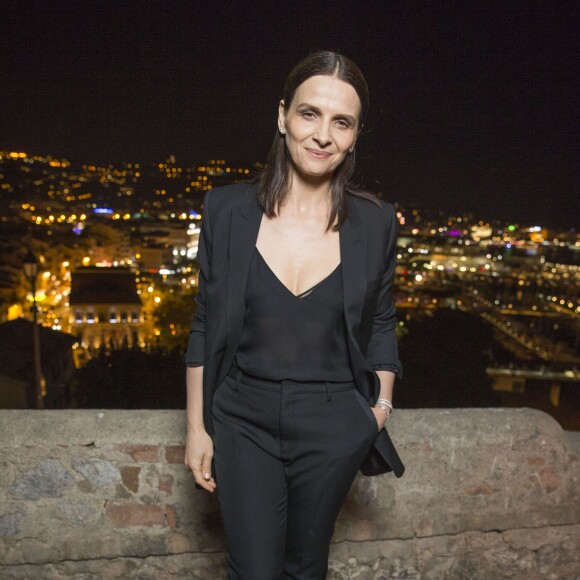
x=309 y=196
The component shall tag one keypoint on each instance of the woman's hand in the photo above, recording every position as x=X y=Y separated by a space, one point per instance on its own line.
x=198 y=456
x=380 y=415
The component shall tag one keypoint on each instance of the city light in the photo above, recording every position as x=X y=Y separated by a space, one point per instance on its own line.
x=507 y=274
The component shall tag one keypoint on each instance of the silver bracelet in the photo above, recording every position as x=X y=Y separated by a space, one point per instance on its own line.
x=385 y=402
x=388 y=411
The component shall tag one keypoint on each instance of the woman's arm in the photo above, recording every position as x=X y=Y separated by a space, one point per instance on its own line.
x=199 y=446
x=383 y=353
x=387 y=379
x=196 y=345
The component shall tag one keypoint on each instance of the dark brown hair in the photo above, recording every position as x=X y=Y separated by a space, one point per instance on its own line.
x=274 y=179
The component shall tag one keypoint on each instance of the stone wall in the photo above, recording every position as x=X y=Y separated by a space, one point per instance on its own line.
x=488 y=493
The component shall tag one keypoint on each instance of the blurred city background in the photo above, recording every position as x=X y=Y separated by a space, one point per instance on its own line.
x=115 y=122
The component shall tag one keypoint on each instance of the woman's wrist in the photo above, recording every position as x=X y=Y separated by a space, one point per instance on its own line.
x=386 y=408
x=195 y=427
x=384 y=404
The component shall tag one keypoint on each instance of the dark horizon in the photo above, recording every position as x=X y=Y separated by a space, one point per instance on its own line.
x=472 y=110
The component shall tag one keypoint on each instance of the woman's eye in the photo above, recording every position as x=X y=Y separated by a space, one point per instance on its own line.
x=343 y=124
x=308 y=114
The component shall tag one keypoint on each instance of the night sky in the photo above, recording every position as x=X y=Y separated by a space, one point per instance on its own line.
x=471 y=109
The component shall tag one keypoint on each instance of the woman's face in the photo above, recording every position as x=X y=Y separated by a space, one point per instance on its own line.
x=321 y=125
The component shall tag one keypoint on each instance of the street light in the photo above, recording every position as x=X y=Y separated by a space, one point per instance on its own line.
x=30 y=268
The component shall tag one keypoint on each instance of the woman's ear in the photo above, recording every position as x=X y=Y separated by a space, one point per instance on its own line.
x=281 y=117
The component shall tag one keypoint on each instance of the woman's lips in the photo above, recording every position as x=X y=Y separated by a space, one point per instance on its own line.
x=318 y=154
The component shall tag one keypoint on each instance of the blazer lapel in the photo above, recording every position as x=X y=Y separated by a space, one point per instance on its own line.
x=353 y=246
x=353 y=252
x=244 y=227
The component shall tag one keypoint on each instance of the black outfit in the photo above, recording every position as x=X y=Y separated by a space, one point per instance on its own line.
x=293 y=337
x=286 y=454
x=287 y=444
x=289 y=438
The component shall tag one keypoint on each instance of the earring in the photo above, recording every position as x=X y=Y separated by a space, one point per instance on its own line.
x=282 y=131
x=351 y=149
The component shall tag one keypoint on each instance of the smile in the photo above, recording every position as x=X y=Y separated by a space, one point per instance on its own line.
x=318 y=154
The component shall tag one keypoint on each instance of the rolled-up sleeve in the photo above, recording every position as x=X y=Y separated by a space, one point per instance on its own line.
x=383 y=352
x=195 y=354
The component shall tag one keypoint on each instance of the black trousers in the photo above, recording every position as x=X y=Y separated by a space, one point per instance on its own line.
x=285 y=456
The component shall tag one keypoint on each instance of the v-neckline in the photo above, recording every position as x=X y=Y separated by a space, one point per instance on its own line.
x=301 y=294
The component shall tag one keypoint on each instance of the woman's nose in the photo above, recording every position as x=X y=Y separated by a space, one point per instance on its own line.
x=322 y=134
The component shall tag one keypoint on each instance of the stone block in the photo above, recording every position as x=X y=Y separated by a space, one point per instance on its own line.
x=10 y=524
x=100 y=472
x=134 y=514
x=78 y=513
x=130 y=477
x=174 y=453
x=177 y=543
x=166 y=483
x=171 y=515
x=140 y=453
x=47 y=479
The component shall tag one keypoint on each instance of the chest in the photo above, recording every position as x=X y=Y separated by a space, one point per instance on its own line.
x=299 y=254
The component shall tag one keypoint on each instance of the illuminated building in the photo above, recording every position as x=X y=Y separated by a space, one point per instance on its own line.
x=105 y=308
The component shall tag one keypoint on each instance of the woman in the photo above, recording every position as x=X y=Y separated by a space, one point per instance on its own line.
x=292 y=354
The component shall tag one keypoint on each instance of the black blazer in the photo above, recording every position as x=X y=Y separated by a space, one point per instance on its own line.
x=231 y=220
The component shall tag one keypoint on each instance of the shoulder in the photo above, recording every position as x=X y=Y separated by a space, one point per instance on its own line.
x=227 y=197
x=372 y=213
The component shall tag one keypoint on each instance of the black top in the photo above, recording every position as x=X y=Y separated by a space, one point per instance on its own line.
x=287 y=336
